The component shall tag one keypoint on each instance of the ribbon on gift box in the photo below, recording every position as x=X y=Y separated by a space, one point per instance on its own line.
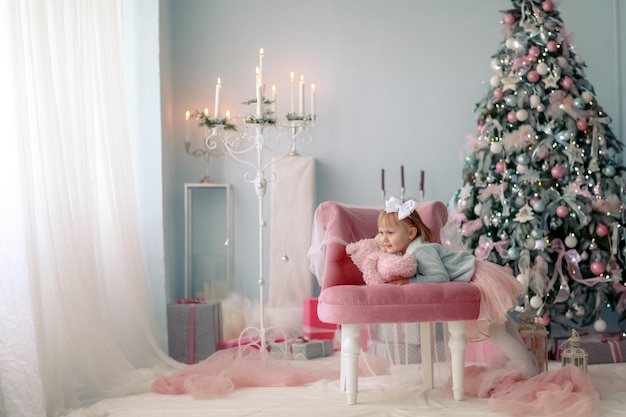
x=191 y=326
x=612 y=340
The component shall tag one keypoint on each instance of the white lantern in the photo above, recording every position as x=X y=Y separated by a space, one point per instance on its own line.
x=535 y=337
x=574 y=354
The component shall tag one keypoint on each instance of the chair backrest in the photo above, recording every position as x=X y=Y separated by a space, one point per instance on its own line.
x=345 y=224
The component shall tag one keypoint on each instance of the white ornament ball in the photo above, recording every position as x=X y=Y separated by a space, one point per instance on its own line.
x=477 y=209
x=522 y=279
x=522 y=115
x=599 y=325
x=571 y=241
x=534 y=101
x=522 y=169
x=587 y=96
x=496 y=147
x=540 y=108
x=542 y=68
x=495 y=65
x=529 y=244
x=494 y=81
x=580 y=311
x=562 y=62
x=511 y=43
x=569 y=315
x=536 y=301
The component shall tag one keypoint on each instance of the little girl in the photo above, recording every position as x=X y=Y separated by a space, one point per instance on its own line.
x=402 y=231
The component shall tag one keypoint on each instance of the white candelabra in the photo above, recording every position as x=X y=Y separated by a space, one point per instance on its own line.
x=261 y=133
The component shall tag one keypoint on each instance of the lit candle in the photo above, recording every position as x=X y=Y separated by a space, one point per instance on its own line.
x=402 y=176
x=187 y=117
x=291 y=78
x=382 y=179
x=206 y=111
x=218 y=89
x=259 y=99
x=274 y=99
x=227 y=114
x=301 y=97
x=312 y=101
x=261 y=66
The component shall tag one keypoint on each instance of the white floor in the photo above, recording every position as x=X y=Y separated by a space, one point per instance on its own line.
x=396 y=395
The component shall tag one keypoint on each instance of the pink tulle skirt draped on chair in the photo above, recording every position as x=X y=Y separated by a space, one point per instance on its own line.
x=499 y=292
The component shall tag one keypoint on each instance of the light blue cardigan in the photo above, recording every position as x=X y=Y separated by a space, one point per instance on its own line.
x=435 y=264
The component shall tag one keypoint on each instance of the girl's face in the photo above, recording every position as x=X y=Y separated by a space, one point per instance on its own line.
x=396 y=238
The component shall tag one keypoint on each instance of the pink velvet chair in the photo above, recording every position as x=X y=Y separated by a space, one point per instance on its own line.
x=347 y=301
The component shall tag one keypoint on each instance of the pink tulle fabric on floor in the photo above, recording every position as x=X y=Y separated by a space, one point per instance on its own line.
x=566 y=392
x=228 y=369
x=499 y=292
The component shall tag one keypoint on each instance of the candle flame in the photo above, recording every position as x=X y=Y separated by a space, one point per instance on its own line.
x=206 y=111
x=302 y=78
x=261 y=51
x=227 y=114
x=292 y=75
x=273 y=89
x=313 y=87
x=187 y=115
x=219 y=81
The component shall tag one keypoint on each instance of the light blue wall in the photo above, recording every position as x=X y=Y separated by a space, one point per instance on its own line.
x=397 y=83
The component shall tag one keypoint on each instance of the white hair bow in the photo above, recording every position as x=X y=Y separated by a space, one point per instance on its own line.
x=404 y=209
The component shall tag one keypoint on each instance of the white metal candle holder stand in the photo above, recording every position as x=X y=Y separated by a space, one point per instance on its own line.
x=261 y=134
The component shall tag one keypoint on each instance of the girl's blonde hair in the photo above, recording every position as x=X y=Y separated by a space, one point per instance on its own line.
x=413 y=220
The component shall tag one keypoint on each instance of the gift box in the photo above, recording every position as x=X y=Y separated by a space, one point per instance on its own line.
x=406 y=332
x=312 y=349
x=406 y=353
x=601 y=348
x=312 y=326
x=194 y=329
x=303 y=349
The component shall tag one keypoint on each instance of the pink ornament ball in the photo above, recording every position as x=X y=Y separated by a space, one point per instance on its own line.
x=498 y=93
x=511 y=117
x=543 y=320
x=500 y=167
x=562 y=211
x=547 y=6
x=567 y=83
x=597 y=268
x=602 y=230
x=557 y=171
x=534 y=52
x=532 y=76
x=509 y=18
x=552 y=46
x=581 y=124
x=533 y=200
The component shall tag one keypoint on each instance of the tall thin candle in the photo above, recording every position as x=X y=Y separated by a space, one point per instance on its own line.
x=422 y=180
x=402 y=176
x=259 y=98
x=301 y=97
x=261 y=65
x=382 y=179
x=187 y=117
x=291 y=81
x=313 y=101
x=274 y=99
x=218 y=89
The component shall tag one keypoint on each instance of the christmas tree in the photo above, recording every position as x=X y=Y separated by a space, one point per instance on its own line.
x=543 y=181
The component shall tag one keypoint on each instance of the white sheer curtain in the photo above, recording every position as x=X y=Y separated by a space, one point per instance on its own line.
x=76 y=320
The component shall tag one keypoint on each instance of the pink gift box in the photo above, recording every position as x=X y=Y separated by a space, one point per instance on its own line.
x=312 y=326
x=601 y=348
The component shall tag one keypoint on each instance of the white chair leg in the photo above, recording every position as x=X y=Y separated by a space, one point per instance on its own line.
x=350 y=348
x=426 y=347
x=457 y=344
